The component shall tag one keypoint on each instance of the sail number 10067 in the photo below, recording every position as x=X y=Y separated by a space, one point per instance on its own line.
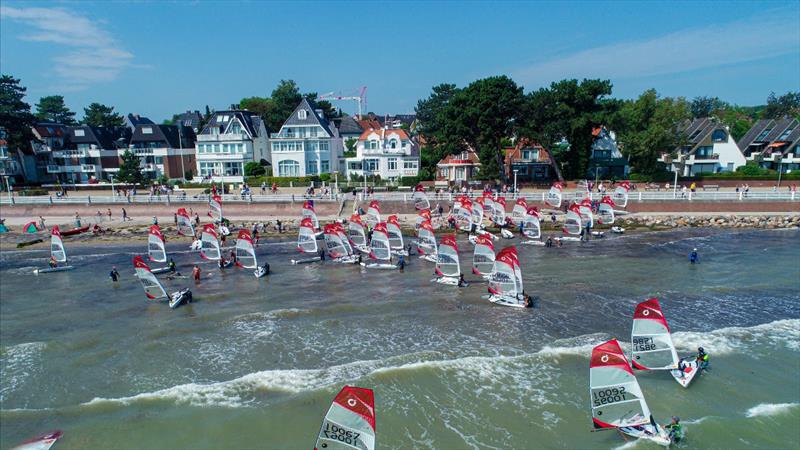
x=610 y=395
x=341 y=434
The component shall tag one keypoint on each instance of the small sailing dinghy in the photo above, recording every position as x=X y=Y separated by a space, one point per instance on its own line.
x=334 y=246
x=483 y=256
x=246 y=254
x=307 y=242
x=615 y=397
x=532 y=227
x=185 y=227
x=43 y=442
x=505 y=281
x=652 y=347
x=380 y=251
x=153 y=288
x=554 y=196
x=156 y=248
x=395 y=236
x=356 y=234
x=57 y=253
x=448 y=268
x=350 y=421
x=373 y=215
x=572 y=224
x=426 y=242
x=420 y=199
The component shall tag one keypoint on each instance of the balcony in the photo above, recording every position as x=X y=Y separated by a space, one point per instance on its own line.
x=149 y=167
x=703 y=158
x=70 y=154
x=88 y=168
x=221 y=137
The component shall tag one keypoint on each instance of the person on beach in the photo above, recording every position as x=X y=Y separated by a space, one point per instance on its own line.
x=401 y=263
x=675 y=429
x=196 y=220
x=155 y=220
x=549 y=242
x=196 y=273
x=124 y=215
x=108 y=213
x=77 y=220
x=114 y=275
x=693 y=257
x=461 y=281
x=279 y=225
x=41 y=223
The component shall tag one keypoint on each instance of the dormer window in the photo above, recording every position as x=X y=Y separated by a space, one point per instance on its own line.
x=302 y=114
x=719 y=136
x=147 y=130
x=393 y=144
x=80 y=133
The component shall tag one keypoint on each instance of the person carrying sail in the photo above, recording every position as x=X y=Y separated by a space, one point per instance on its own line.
x=693 y=257
x=675 y=429
x=114 y=275
x=702 y=359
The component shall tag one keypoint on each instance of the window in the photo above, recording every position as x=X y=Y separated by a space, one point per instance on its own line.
x=410 y=164
x=208 y=169
x=355 y=165
x=311 y=167
x=392 y=163
x=288 y=168
x=373 y=145
x=785 y=134
x=324 y=166
x=235 y=128
x=763 y=134
x=719 y=136
x=371 y=165
x=233 y=169
x=323 y=146
x=393 y=143
x=159 y=159
x=80 y=133
x=302 y=114
x=147 y=130
x=84 y=147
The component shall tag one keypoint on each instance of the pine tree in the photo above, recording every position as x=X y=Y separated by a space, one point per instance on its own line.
x=130 y=170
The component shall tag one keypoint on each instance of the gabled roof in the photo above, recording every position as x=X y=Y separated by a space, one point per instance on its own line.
x=604 y=140
x=170 y=136
x=249 y=120
x=698 y=131
x=348 y=125
x=311 y=117
x=786 y=130
x=106 y=138
x=472 y=157
x=189 y=119
x=135 y=119
x=366 y=124
x=384 y=134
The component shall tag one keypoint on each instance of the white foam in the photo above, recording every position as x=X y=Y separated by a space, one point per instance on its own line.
x=731 y=339
x=770 y=409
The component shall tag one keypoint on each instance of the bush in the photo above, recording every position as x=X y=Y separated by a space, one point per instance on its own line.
x=325 y=177
x=751 y=169
x=254 y=169
x=162 y=179
x=410 y=181
x=27 y=192
x=188 y=175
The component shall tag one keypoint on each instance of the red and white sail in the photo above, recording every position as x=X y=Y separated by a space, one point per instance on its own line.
x=215 y=205
x=57 y=250
x=333 y=243
x=572 y=221
x=532 y=226
x=519 y=211
x=554 y=196
x=343 y=236
x=152 y=287
x=614 y=393
x=379 y=248
x=355 y=231
x=245 y=250
x=185 y=227
x=373 y=215
x=447 y=264
x=156 y=248
x=306 y=238
x=483 y=255
x=477 y=212
x=488 y=206
x=620 y=195
x=420 y=198
x=499 y=211
x=463 y=215
x=651 y=342
x=209 y=241
x=605 y=211
x=426 y=240
x=506 y=276
x=585 y=209
x=394 y=232
x=582 y=191
x=310 y=213
x=423 y=215
x=350 y=422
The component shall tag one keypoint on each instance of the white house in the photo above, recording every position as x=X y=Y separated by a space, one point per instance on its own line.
x=230 y=140
x=709 y=148
x=306 y=145
x=773 y=144
x=389 y=153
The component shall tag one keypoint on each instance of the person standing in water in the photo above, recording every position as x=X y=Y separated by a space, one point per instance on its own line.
x=675 y=429
x=114 y=275
x=693 y=257
x=196 y=273
x=171 y=265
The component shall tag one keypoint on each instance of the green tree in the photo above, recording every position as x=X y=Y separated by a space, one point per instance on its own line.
x=130 y=170
x=99 y=115
x=707 y=106
x=254 y=169
x=259 y=105
x=285 y=98
x=432 y=119
x=52 y=109
x=785 y=105
x=15 y=114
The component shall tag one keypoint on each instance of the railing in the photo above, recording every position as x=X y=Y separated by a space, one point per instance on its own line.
x=88 y=168
x=221 y=137
x=70 y=154
x=637 y=196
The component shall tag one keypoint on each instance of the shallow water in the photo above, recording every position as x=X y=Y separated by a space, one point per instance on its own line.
x=255 y=363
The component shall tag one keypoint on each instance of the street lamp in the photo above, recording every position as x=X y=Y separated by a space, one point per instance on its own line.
x=515 y=182
x=8 y=187
x=780 y=171
x=113 y=192
x=336 y=183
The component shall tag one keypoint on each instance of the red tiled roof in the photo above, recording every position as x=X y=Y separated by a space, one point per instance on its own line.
x=367 y=124
x=384 y=133
x=457 y=159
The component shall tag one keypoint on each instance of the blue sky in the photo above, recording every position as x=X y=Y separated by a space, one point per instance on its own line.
x=158 y=58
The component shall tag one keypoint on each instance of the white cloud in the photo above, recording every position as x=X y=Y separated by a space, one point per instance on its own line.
x=91 y=54
x=683 y=51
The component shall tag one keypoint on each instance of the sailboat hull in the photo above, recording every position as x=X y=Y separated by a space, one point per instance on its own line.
x=685 y=377
x=658 y=436
x=383 y=266
x=53 y=269
x=504 y=300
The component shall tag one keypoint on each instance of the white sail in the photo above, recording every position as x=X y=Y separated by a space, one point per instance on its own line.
x=503 y=279
x=394 y=233
x=532 y=227
x=245 y=251
x=483 y=255
x=447 y=264
x=310 y=213
x=651 y=342
x=333 y=243
x=488 y=206
x=572 y=221
x=499 y=211
x=519 y=211
x=57 y=250
x=605 y=211
x=620 y=196
x=306 y=238
x=152 y=287
x=185 y=227
x=343 y=237
x=426 y=240
x=464 y=216
x=215 y=205
x=209 y=241
x=422 y=216
x=554 y=196
x=379 y=245
x=614 y=394
x=350 y=421
x=355 y=231
x=420 y=199
x=373 y=215
x=477 y=212
x=156 y=249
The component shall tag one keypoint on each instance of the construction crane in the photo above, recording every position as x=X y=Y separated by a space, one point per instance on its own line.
x=360 y=97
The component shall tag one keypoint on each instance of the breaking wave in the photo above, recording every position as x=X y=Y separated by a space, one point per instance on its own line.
x=770 y=409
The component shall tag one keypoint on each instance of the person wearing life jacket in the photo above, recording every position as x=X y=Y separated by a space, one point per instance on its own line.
x=693 y=257
x=114 y=275
x=675 y=429
x=528 y=301
x=53 y=263
x=401 y=263
x=266 y=268
x=702 y=359
x=171 y=265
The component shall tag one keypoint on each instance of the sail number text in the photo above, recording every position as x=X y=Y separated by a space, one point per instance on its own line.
x=608 y=396
x=341 y=434
x=643 y=344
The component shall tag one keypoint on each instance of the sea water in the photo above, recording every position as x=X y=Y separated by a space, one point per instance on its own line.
x=255 y=363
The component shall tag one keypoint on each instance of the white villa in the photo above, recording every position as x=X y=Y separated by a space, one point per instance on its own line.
x=306 y=145
x=230 y=140
x=709 y=148
x=389 y=153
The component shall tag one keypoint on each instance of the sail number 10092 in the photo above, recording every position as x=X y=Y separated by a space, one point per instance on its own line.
x=610 y=395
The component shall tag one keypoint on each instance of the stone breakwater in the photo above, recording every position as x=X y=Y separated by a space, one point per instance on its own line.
x=711 y=220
